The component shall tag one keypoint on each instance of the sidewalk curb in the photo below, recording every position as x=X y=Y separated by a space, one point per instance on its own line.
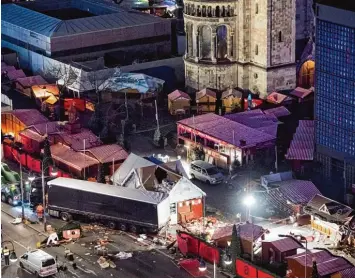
x=28 y=225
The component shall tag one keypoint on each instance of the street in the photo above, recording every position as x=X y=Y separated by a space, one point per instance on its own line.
x=145 y=262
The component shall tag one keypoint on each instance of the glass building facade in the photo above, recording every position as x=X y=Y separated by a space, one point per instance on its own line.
x=335 y=87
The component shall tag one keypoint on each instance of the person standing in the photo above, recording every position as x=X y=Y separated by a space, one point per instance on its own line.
x=40 y=212
x=6 y=253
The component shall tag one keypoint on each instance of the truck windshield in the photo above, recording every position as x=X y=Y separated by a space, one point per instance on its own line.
x=212 y=171
x=48 y=262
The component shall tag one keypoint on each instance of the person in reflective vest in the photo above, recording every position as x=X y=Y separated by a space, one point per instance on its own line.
x=40 y=212
x=6 y=253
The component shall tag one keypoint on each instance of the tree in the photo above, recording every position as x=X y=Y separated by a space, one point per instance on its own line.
x=47 y=156
x=101 y=174
x=315 y=273
x=236 y=247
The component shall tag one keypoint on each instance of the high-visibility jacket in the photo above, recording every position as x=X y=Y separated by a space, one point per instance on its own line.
x=40 y=210
x=6 y=252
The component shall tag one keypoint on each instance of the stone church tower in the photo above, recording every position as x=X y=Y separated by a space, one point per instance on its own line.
x=240 y=43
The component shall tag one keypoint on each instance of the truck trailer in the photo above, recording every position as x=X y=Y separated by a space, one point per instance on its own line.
x=136 y=210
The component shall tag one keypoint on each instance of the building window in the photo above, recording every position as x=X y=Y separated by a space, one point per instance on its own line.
x=280 y=36
x=256 y=50
x=256 y=8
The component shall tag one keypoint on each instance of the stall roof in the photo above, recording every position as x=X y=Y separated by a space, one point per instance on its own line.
x=133 y=82
x=178 y=94
x=205 y=92
x=45 y=90
x=69 y=157
x=333 y=207
x=301 y=93
x=222 y=129
x=7 y=69
x=184 y=190
x=278 y=112
x=232 y=92
x=32 y=135
x=132 y=162
x=327 y=263
x=76 y=141
x=246 y=231
x=278 y=98
x=29 y=116
x=14 y=75
x=30 y=81
x=112 y=190
x=286 y=244
x=108 y=153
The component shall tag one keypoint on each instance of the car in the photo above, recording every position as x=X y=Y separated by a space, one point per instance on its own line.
x=7 y=175
x=39 y=263
x=10 y=194
x=206 y=172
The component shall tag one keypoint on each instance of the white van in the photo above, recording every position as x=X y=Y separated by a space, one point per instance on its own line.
x=39 y=263
x=206 y=172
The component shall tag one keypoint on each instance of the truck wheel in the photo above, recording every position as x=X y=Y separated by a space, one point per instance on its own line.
x=111 y=225
x=65 y=216
x=3 y=198
x=123 y=227
x=133 y=228
x=21 y=265
x=10 y=201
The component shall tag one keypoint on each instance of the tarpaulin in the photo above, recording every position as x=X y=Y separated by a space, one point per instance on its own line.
x=210 y=254
x=192 y=243
x=245 y=270
x=79 y=104
x=7 y=151
x=182 y=244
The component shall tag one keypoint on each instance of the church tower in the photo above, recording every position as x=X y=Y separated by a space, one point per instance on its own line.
x=241 y=43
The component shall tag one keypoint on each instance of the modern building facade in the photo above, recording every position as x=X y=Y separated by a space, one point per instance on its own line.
x=80 y=30
x=335 y=91
x=246 y=44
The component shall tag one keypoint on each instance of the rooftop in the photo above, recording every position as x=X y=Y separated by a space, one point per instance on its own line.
x=327 y=263
x=36 y=17
x=69 y=157
x=226 y=130
x=302 y=144
x=29 y=116
x=286 y=244
x=108 y=153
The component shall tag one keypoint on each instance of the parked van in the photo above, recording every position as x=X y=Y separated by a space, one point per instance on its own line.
x=39 y=263
x=206 y=172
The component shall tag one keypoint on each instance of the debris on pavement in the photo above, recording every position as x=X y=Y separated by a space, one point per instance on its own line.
x=103 y=262
x=123 y=255
x=16 y=221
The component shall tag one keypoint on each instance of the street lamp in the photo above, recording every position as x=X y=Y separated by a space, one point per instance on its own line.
x=249 y=201
x=203 y=266
x=18 y=146
x=12 y=257
x=53 y=173
x=228 y=259
x=305 y=256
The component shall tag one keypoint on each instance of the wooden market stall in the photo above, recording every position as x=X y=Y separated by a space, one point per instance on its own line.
x=206 y=100
x=231 y=99
x=178 y=102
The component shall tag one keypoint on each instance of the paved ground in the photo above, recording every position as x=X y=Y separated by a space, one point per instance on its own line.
x=147 y=261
